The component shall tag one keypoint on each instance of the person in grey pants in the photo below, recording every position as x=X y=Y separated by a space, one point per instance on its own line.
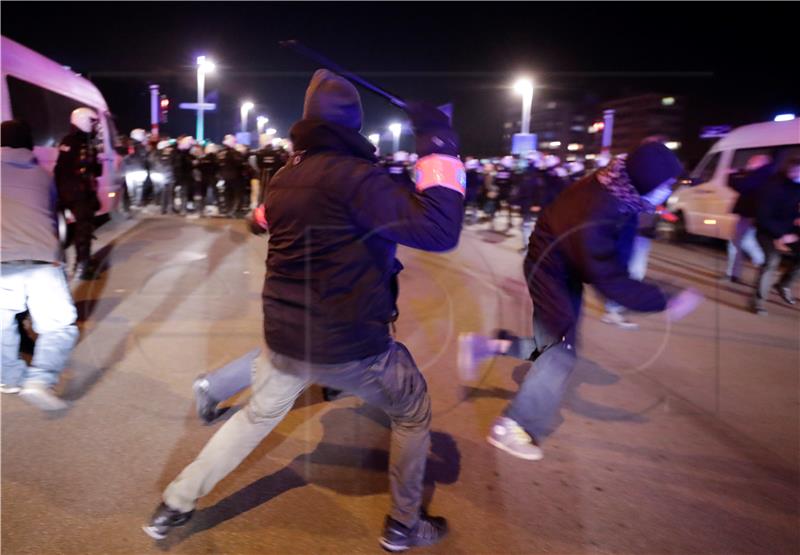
x=335 y=219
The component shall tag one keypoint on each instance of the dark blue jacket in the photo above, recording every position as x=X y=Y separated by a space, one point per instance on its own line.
x=335 y=220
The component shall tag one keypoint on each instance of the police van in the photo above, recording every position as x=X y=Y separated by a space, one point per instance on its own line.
x=44 y=94
x=703 y=205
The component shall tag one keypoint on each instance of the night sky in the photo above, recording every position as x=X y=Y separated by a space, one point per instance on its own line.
x=733 y=61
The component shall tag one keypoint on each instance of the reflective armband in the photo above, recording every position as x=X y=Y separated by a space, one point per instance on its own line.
x=438 y=170
x=260 y=216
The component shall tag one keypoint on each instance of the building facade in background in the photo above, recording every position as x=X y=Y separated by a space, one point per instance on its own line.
x=639 y=117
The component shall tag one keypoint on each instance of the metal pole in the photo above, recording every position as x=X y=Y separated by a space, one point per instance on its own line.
x=608 y=130
x=527 y=100
x=154 y=109
x=201 y=85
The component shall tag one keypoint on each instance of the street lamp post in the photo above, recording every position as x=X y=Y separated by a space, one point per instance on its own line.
x=524 y=87
x=375 y=139
x=203 y=66
x=246 y=107
x=396 y=129
x=261 y=121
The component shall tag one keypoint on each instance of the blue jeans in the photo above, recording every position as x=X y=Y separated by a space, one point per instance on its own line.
x=43 y=290
x=743 y=240
x=234 y=377
x=557 y=307
x=390 y=381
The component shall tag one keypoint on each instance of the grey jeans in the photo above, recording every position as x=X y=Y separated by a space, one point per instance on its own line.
x=390 y=381
x=743 y=241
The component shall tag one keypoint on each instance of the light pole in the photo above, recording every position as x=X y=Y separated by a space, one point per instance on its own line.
x=375 y=139
x=246 y=107
x=396 y=129
x=524 y=87
x=261 y=121
x=203 y=66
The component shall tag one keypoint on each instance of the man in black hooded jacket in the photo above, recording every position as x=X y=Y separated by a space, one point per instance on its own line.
x=582 y=238
x=335 y=219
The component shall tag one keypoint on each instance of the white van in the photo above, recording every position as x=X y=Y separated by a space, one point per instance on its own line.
x=44 y=93
x=705 y=208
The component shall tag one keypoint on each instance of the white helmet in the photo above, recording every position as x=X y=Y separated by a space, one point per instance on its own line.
x=602 y=160
x=575 y=167
x=472 y=164
x=163 y=144
x=211 y=148
x=186 y=143
x=551 y=161
x=561 y=171
x=241 y=148
x=229 y=141
x=508 y=161
x=139 y=135
x=401 y=156
x=264 y=140
x=84 y=119
x=413 y=157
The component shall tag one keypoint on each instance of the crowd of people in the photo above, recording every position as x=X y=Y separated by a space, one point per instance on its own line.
x=586 y=228
x=181 y=176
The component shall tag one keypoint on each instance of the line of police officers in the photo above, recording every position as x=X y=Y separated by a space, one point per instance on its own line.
x=175 y=173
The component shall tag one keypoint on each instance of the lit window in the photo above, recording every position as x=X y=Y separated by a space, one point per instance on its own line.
x=668 y=101
x=574 y=147
x=673 y=145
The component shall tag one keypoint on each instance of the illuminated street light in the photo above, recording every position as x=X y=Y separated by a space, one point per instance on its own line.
x=784 y=117
x=246 y=107
x=261 y=121
x=203 y=66
x=524 y=87
x=271 y=131
x=396 y=129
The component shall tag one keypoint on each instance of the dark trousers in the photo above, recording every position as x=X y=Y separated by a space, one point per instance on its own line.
x=768 y=272
x=83 y=211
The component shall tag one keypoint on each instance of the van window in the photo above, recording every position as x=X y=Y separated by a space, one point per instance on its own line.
x=741 y=157
x=45 y=111
x=705 y=170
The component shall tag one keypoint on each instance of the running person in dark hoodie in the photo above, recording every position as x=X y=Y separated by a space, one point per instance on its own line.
x=578 y=240
x=335 y=220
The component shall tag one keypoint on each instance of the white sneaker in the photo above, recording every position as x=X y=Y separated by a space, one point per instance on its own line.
x=39 y=395
x=9 y=388
x=617 y=319
x=509 y=436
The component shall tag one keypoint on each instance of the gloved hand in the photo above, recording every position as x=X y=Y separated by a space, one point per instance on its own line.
x=432 y=128
x=683 y=304
x=257 y=221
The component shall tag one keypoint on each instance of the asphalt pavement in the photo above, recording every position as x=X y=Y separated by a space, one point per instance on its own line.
x=680 y=439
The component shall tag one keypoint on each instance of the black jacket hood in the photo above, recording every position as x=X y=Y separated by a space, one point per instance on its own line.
x=319 y=135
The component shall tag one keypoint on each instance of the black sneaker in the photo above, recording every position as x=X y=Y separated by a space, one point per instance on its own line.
x=164 y=519
x=786 y=294
x=207 y=409
x=427 y=531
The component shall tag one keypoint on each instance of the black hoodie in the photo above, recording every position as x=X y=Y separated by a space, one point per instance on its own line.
x=335 y=220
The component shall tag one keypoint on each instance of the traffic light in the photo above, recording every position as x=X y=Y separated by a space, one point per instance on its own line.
x=164 y=108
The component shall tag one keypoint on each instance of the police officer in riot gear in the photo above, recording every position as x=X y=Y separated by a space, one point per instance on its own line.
x=230 y=169
x=76 y=172
x=183 y=168
x=209 y=175
x=268 y=160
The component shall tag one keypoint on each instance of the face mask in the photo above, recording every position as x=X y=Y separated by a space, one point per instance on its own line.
x=659 y=195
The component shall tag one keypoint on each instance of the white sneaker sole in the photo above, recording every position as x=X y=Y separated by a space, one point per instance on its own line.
x=43 y=400
x=532 y=457
x=622 y=325
x=392 y=547
x=153 y=533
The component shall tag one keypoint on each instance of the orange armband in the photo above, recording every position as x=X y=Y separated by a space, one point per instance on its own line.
x=438 y=170
x=260 y=216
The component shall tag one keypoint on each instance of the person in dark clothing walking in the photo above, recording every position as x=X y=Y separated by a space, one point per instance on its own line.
x=749 y=184
x=231 y=165
x=475 y=179
x=578 y=240
x=76 y=172
x=335 y=220
x=778 y=233
x=183 y=171
x=268 y=161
